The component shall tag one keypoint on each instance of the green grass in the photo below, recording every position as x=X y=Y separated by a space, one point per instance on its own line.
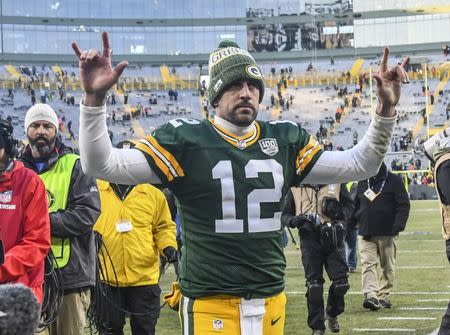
x=423 y=233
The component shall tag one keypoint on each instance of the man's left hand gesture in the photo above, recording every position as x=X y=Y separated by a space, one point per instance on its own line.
x=388 y=85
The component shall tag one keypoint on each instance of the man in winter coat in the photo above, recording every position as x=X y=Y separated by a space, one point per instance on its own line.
x=24 y=220
x=381 y=210
x=136 y=227
x=74 y=206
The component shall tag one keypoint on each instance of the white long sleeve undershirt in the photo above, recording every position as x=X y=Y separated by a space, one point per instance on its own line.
x=129 y=166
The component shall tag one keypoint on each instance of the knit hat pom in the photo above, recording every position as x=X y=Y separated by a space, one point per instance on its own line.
x=227 y=44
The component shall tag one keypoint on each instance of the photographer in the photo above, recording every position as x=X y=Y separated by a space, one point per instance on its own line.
x=320 y=212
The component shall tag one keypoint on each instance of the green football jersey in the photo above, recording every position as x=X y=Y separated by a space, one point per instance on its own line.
x=229 y=190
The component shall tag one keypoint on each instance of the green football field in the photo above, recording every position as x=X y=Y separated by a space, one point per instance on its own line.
x=420 y=297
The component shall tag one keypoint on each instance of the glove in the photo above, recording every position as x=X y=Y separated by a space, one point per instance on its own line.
x=332 y=208
x=173 y=297
x=309 y=222
x=297 y=221
x=447 y=249
x=313 y=220
x=171 y=254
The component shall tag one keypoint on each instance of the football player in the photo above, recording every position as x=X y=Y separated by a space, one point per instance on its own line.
x=229 y=175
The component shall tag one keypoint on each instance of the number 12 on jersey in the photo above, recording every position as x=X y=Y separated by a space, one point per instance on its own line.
x=229 y=223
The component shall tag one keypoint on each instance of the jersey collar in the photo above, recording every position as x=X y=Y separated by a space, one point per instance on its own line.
x=240 y=142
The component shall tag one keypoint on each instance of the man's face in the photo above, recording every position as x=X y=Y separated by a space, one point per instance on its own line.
x=239 y=103
x=42 y=136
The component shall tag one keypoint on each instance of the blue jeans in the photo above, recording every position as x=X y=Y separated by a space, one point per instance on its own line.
x=351 y=239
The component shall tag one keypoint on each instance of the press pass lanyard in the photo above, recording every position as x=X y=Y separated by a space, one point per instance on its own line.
x=370 y=194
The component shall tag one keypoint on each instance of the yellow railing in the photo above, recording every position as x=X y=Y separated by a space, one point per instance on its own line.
x=134 y=84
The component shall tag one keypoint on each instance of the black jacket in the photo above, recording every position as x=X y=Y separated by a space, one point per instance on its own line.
x=76 y=221
x=387 y=214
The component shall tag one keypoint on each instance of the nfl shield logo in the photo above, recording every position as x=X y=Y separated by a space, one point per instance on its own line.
x=6 y=196
x=269 y=146
x=218 y=324
x=241 y=144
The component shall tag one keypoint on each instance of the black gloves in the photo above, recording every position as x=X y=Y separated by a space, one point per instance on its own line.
x=171 y=254
x=447 y=249
x=308 y=222
x=333 y=209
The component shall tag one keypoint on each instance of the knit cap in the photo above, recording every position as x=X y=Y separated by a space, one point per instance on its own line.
x=41 y=112
x=228 y=64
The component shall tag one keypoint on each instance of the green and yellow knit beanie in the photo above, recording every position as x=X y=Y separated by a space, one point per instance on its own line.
x=228 y=64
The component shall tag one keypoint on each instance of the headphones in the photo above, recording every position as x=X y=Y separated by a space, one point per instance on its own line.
x=6 y=132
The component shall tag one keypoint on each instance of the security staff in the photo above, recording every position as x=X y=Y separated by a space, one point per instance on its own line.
x=74 y=206
x=136 y=226
x=320 y=212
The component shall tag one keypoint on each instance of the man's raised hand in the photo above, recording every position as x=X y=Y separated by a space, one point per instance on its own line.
x=388 y=84
x=96 y=73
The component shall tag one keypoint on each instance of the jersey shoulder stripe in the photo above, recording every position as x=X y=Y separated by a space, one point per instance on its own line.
x=306 y=154
x=163 y=159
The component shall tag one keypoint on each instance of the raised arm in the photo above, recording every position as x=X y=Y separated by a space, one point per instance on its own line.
x=98 y=158
x=363 y=160
x=96 y=73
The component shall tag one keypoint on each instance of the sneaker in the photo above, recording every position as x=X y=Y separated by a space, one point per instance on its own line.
x=332 y=323
x=371 y=303
x=352 y=270
x=318 y=332
x=385 y=303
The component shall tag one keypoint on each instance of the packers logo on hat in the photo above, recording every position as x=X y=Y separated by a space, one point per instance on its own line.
x=229 y=64
x=253 y=71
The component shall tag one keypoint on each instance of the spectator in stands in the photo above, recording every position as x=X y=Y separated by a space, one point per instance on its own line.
x=69 y=129
x=338 y=114
x=381 y=210
x=24 y=223
x=125 y=98
x=437 y=149
x=136 y=226
x=355 y=137
x=320 y=213
x=74 y=207
x=43 y=96
x=198 y=161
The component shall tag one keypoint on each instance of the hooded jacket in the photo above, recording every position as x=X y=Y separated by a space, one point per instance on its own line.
x=135 y=226
x=387 y=214
x=24 y=227
x=76 y=221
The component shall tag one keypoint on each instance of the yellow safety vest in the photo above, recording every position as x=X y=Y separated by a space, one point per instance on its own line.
x=57 y=184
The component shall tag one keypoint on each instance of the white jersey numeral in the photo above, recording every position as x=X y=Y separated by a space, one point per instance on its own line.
x=223 y=171
x=180 y=121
